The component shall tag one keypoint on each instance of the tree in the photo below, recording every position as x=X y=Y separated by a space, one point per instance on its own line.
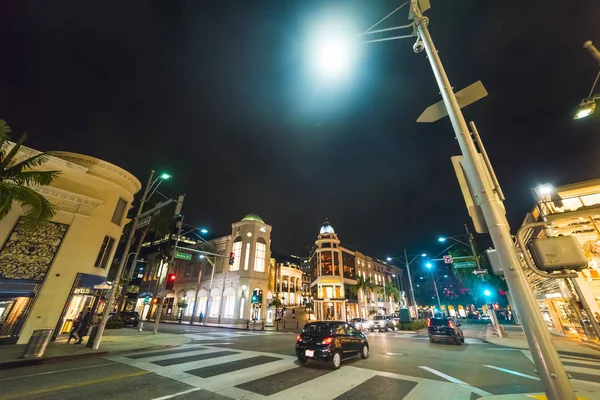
x=276 y=303
x=363 y=285
x=390 y=290
x=17 y=179
x=476 y=283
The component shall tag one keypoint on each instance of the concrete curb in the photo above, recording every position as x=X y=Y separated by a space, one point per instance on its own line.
x=58 y=359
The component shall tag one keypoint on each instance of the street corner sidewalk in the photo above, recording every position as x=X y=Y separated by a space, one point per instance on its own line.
x=113 y=342
x=515 y=338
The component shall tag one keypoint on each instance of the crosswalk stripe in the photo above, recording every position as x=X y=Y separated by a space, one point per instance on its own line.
x=231 y=366
x=592 y=361
x=162 y=353
x=582 y=370
x=580 y=363
x=327 y=386
x=193 y=358
x=150 y=357
x=439 y=391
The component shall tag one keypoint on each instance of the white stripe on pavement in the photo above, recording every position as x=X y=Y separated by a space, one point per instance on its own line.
x=582 y=370
x=582 y=360
x=501 y=349
x=57 y=371
x=170 y=396
x=509 y=371
x=455 y=380
x=328 y=386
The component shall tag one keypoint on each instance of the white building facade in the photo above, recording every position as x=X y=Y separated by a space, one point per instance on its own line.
x=49 y=275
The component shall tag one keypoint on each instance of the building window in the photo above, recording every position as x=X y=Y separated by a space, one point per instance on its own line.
x=237 y=251
x=242 y=303
x=259 y=257
x=326 y=263
x=105 y=252
x=247 y=260
x=325 y=245
x=216 y=304
x=229 y=306
x=117 y=217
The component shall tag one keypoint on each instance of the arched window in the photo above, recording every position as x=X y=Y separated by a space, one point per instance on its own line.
x=237 y=251
x=260 y=255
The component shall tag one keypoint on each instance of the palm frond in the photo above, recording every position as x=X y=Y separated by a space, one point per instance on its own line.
x=4 y=130
x=31 y=178
x=6 y=198
x=37 y=210
x=12 y=153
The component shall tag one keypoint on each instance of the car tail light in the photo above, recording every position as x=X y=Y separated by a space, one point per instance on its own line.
x=327 y=340
x=428 y=322
x=450 y=324
x=298 y=338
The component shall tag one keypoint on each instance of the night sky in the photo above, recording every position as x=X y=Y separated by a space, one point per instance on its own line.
x=221 y=94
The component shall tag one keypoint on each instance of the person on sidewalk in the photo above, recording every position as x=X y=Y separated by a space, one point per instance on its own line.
x=85 y=325
x=75 y=328
x=293 y=313
x=201 y=316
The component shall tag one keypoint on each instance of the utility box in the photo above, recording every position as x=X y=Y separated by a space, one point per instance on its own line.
x=404 y=315
x=495 y=262
x=558 y=253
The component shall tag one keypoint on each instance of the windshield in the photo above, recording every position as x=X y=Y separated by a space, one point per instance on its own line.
x=379 y=317
x=318 y=330
x=355 y=320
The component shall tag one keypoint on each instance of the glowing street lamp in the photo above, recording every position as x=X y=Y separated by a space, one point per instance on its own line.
x=204 y=231
x=165 y=176
x=588 y=105
x=429 y=265
x=441 y=239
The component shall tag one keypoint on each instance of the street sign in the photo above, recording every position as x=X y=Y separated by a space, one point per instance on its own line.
x=469 y=95
x=480 y=272
x=465 y=264
x=143 y=222
x=183 y=256
x=448 y=259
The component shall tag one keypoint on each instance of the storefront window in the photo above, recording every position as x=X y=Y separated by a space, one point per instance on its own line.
x=336 y=263
x=12 y=316
x=348 y=265
x=326 y=263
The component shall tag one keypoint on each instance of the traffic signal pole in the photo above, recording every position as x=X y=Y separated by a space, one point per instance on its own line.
x=550 y=369
x=160 y=306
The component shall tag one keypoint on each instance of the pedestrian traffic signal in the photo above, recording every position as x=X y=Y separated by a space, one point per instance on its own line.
x=231 y=258
x=260 y=296
x=170 y=281
x=254 y=298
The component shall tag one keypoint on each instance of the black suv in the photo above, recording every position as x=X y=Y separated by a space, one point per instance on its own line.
x=444 y=329
x=330 y=341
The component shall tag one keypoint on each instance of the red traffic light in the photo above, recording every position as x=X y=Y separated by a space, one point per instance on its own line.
x=231 y=258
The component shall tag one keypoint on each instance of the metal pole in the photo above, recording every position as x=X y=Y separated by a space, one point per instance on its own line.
x=437 y=295
x=169 y=265
x=212 y=275
x=472 y=245
x=551 y=371
x=195 y=308
x=115 y=288
x=131 y=270
x=412 y=290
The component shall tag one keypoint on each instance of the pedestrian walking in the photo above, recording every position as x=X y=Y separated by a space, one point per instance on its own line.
x=75 y=328
x=293 y=313
x=86 y=320
x=201 y=316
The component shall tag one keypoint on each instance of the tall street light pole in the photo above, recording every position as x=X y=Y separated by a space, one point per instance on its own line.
x=115 y=288
x=550 y=369
x=437 y=294
x=407 y=263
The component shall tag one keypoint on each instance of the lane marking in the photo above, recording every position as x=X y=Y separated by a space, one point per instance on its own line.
x=508 y=371
x=452 y=379
x=57 y=371
x=73 y=385
x=170 y=396
x=394 y=354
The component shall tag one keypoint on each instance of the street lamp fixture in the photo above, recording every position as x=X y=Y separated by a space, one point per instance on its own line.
x=441 y=239
x=544 y=190
x=423 y=255
x=588 y=105
x=389 y=258
x=204 y=231
x=165 y=176
x=487 y=293
x=429 y=265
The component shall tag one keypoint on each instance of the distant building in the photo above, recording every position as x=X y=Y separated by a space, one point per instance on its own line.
x=335 y=268
x=49 y=275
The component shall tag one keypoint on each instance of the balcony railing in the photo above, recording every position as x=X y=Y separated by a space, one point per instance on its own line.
x=557 y=207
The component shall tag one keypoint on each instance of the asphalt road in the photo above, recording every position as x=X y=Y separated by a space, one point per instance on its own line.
x=221 y=364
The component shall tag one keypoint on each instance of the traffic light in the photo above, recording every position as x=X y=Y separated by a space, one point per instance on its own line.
x=260 y=296
x=170 y=281
x=496 y=306
x=231 y=258
x=254 y=298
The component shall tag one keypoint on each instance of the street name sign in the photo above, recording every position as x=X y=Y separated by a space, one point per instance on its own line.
x=183 y=256
x=465 y=264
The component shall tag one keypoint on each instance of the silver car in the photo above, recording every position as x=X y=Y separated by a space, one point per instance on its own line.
x=382 y=322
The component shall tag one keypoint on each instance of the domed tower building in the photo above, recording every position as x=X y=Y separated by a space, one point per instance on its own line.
x=333 y=274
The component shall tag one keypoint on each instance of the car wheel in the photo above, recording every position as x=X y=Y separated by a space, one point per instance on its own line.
x=364 y=354
x=431 y=340
x=457 y=341
x=386 y=329
x=336 y=360
x=372 y=329
x=302 y=359
x=462 y=339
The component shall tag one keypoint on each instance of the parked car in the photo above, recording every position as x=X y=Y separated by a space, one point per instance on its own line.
x=382 y=322
x=127 y=317
x=361 y=324
x=444 y=329
x=330 y=341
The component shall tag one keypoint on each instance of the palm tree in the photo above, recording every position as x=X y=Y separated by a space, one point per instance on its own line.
x=17 y=179
x=390 y=290
x=362 y=285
